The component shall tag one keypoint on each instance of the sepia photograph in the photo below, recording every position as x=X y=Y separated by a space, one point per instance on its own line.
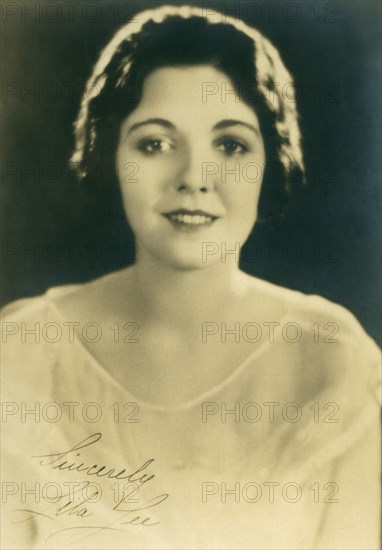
x=191 y=275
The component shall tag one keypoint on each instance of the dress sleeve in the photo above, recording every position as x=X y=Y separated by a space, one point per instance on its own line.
x=348 y=451
x=27 y=361
x=354 y=521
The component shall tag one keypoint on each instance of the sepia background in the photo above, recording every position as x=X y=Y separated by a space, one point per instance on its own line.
x=56 y=233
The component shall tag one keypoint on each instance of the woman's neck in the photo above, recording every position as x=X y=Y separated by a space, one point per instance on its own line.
x=183 y=299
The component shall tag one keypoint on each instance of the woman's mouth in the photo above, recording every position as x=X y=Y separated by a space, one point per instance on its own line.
x=190 y=220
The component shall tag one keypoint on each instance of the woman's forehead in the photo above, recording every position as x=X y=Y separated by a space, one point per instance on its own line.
x=199 y=92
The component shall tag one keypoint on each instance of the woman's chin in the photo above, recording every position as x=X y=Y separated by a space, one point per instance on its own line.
x=186 y=263
x=184 y=260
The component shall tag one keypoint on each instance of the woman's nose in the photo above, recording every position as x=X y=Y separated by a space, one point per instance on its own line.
x=192 y=187
x=192 y=177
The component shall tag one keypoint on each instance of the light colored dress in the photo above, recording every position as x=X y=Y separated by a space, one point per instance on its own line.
x=294 y=465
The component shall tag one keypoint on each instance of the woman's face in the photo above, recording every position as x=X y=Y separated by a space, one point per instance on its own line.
x=190 y=161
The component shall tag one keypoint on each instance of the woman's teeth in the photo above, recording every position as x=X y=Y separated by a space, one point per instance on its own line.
x=191 y=219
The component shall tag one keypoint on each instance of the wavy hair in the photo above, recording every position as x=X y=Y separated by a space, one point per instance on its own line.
x=186 y=35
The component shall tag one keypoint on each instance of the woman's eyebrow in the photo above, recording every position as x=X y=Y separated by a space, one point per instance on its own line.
x=228 y=123
x=158 y=121
x=167 y=124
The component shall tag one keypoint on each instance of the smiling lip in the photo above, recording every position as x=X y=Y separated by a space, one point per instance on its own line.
x=190 y=219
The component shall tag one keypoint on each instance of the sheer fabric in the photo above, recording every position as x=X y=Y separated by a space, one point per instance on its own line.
x=284 y=453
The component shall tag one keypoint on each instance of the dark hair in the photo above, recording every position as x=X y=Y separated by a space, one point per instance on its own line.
x=179 y=41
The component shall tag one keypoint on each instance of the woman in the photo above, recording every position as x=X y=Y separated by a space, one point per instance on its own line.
x=183 y=403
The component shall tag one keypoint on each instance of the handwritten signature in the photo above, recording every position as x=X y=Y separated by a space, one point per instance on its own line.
x=93 y=470
x=83 y=502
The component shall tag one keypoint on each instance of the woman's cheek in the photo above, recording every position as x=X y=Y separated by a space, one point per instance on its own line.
x=241 y=202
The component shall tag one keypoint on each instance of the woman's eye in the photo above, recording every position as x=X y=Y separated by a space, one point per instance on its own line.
x=153 y=146
x=232 y=147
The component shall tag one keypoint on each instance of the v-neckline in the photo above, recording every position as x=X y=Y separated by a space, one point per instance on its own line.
x=168 y=408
